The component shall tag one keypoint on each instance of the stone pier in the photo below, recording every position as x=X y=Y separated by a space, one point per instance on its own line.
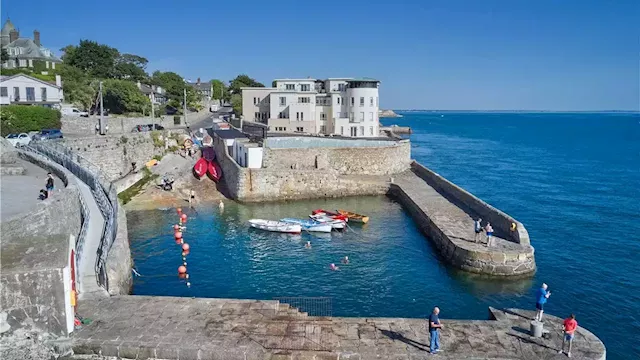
x=144 y=327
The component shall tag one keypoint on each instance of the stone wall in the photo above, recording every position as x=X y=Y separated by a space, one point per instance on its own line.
x=489 y=263
x=119 y=261
x=74 y=125
x=253 y=185
x=500 y=221
x=379 y=160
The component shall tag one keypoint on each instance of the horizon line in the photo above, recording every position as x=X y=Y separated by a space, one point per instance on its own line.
x=521 y=111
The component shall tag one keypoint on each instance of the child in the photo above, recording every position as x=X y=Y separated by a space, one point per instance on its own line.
x=49 y=185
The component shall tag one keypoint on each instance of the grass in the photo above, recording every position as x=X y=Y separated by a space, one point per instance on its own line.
x=135 y=189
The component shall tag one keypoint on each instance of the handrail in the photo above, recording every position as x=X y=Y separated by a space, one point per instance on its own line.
x=103 y=191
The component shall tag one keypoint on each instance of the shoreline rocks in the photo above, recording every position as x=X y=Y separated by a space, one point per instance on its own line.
x=388 y=114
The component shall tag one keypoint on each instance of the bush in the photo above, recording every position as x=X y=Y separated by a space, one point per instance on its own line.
x=176 y=120
x=22 y=118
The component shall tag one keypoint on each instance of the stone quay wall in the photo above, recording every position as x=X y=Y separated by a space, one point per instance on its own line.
x=75 y=125
x=495 y=263
x=500 y=221
x=276 y=184
x=378 y=160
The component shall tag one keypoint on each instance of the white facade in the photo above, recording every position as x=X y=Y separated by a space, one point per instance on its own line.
x=27 y=90
x=347 y=107
x=247 y=154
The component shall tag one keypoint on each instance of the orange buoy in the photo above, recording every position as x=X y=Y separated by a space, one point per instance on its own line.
x=185 y=247
x=176 y=227
x=182 y=276
x=183 y=217
x=182 y=269
x=179 y=210
x=185 y=253
x=178 y=234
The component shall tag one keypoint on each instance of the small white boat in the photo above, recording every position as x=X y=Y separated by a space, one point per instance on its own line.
x=275 y=226
x=335 y=223
x=309 y=225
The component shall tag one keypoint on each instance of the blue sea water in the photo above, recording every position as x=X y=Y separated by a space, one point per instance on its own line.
x=573 y=179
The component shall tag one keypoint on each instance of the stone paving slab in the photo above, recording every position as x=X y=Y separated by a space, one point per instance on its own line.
x=145 y=327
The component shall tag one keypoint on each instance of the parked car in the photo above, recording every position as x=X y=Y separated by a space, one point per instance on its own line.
x=96 y=111
x=147 y=127
x=49 y=134
x=19 y=139
x=71 y=111
x=170 y=110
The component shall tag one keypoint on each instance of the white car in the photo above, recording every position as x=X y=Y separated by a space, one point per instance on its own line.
x=19 y=139
x=71 y=111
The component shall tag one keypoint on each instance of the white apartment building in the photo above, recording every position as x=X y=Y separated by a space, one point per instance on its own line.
x=339 y=106
x=26 y=90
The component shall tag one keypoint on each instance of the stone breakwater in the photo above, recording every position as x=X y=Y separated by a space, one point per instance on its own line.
x=446 y=213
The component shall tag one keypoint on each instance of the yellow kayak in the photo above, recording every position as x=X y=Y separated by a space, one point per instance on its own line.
x=354 y=217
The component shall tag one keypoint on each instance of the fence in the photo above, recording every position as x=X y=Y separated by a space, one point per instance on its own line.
x=103 y=191
x=312 y=306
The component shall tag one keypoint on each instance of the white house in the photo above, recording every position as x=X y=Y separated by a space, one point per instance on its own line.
x=339 y=106
x=24 y=89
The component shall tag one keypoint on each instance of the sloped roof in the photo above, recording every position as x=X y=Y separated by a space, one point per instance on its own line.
x=32 y=51
x=7 y=27
x=5 y=78
x=201 y=86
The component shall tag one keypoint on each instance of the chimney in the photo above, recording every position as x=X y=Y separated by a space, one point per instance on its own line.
x=13 y=35
x=58 y=81
x=36 y=37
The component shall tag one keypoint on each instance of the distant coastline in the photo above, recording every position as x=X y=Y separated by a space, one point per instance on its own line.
x=524 y=111
x=388 y=114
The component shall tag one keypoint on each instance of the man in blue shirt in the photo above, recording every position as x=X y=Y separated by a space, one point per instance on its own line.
x=541 y=298
x=434 y=331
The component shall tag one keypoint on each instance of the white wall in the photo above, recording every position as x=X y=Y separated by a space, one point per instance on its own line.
x=247 y=155
x=54 y=94
x=365 y=115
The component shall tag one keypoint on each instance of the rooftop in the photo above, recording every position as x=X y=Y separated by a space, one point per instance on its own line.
x=297 y=142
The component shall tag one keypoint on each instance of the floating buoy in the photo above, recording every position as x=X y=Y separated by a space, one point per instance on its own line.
x=176 y=227
x=185 y=253
x=182 y=269
x=179 y=210
x=185 y=247
x=183 y=217
x=183 y=276
x=184 y=263
x=188 y=284
x=178 y=234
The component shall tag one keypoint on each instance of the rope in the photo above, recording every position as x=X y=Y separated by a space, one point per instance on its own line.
x=135 y=272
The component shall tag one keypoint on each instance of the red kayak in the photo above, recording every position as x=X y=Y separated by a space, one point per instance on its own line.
x=200 y=168
x=330 y=214
x=214 y=171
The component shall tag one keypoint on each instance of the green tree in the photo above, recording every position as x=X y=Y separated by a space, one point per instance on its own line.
x=122 y=96
x=20 y=118
x=4 y=56
x=236 y=103
x=95 y=59
x=77 y=86
x=219 y=89
x=175 y=85
x=242 y=81
x=273 y=83
x=131 y=67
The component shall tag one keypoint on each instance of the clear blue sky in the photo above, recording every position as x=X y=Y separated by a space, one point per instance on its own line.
x=474 y=54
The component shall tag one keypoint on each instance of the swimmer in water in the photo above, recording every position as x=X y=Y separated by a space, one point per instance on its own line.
x=345 y=260
x=334 y=267
x=221 y=205
x=308 y=245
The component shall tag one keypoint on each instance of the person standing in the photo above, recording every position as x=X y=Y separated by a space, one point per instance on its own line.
x=477 y=228
x=569 y=327
x=489 y=230
x=49 y=184
x=434 y=331
x=541 y=298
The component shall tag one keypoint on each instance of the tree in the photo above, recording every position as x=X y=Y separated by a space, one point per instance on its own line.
x=4 y=56
x=77 y=86
x=219 y=89
x=131 y=67
x=175 y=85
x=273 y=83
x=121 y=96
x=242 y=81
x=236 y=103
x=95 y=59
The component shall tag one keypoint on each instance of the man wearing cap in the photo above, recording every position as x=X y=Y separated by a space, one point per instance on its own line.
x=541 y=298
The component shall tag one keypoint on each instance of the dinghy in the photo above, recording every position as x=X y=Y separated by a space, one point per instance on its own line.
x=354 y=217
x=321 y=212
x=200 y=168
x=309 y=225
x=214 y=171
x=208 y=153
x=335 y=223
x=275 y=226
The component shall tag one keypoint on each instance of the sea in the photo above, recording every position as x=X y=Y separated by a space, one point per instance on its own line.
x=573 y=179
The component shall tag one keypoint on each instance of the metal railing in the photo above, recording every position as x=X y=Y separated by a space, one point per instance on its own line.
x=312 y=306
x=103 y=191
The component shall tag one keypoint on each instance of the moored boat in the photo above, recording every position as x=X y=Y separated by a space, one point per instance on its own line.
x=337 y=224
x=200 y=168
x=309 y=225
x=208 y=153
x=214 y=171
x=275 y=226
x=207 y=141
x=354 y=217
x=333 y=215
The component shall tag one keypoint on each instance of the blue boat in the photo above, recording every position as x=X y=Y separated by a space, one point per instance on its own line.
x=309 y=225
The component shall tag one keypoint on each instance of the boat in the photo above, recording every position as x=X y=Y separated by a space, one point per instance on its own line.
x=214 y=171
x=208 y=153
x=207 y=141
x=275 y=226
x=309 y=225
x=337 y=224
x=200 y=168
x=333 y=215
x=354 y=217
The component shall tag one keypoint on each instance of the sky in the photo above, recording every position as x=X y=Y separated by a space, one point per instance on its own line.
x=451 y=55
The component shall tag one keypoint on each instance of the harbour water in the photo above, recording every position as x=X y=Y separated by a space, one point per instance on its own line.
x=572 y=179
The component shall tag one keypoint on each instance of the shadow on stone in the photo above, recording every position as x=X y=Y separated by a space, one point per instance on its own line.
x=397 y=336
x=520 y=330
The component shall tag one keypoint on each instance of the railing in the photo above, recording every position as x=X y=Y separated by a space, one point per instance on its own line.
x=80 y=240
x=103 y=191
x=313 y=306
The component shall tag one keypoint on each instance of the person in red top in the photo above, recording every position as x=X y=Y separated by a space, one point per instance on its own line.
x=569 y=327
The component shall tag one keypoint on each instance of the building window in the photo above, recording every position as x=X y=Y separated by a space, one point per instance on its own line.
x=371 y=130
x=323 y=116
x=281 y=115
x=370 y=116
x=283 y=101
x=351 y=116
x=361 y=101
x=354 y=131
x=323 y=129
x=31 y=94
x=4 y=92
x=301 y=116
x=361 y=130
x=342 y=87
x=352 y=101
x=338 y=100
x=300 y=129
x=23 y=62
x=255 y=101
x=341 y=130
x=291 y=86
x=304 y=87
x=361 y=116
x=371 y=101
x=298 y=116
x=16 y=93
x=304 y=100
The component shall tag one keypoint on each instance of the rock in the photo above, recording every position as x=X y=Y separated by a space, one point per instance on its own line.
x=8 y=153
x=388 y=114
